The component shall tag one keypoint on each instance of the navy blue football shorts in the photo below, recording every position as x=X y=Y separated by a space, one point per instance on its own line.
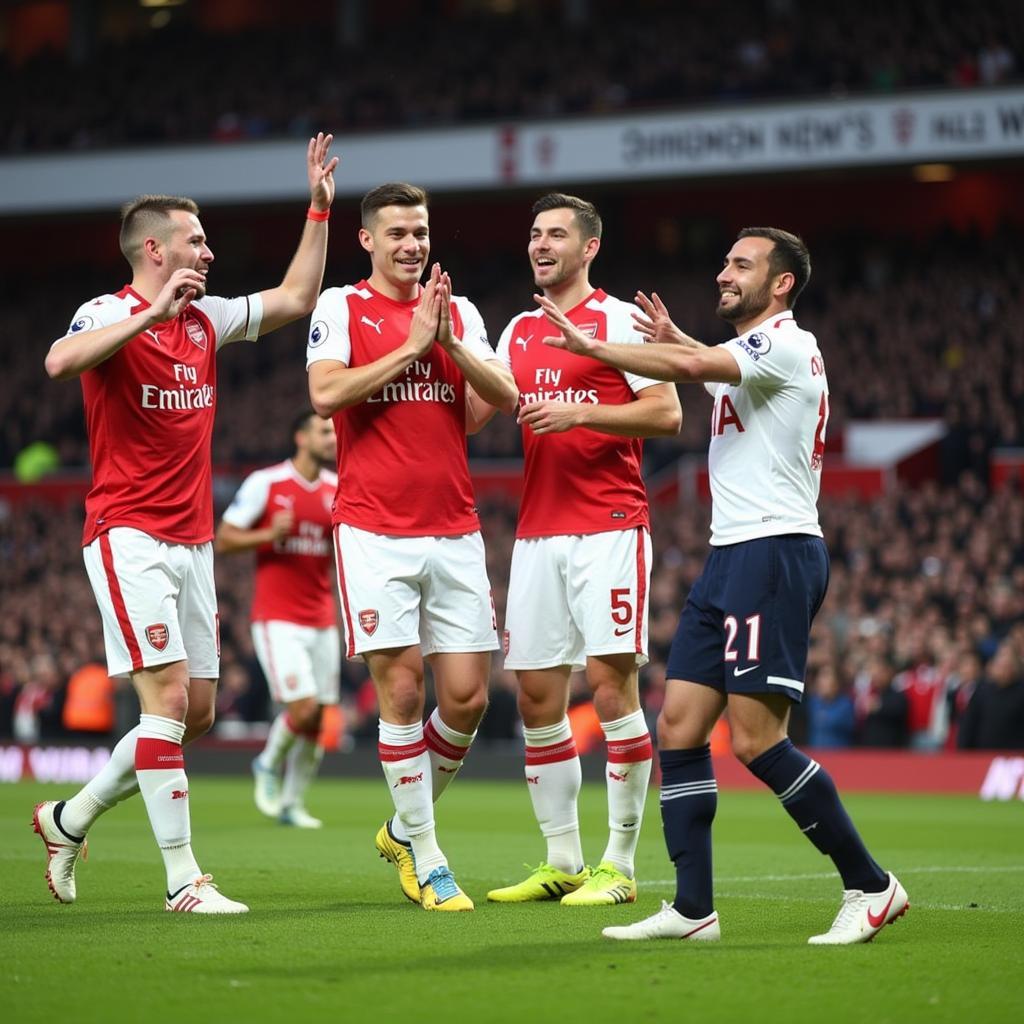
x=746 y=624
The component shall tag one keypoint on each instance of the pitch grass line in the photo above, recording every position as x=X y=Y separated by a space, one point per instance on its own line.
x=965 y=869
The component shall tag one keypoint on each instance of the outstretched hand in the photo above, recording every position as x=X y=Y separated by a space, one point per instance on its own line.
x=656 y=325
x=572 y=339
x=321 y=171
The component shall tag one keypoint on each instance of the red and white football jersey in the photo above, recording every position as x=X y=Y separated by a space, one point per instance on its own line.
x=579 y=481
x=294 y=577
x=149 y=412
x=402 y=466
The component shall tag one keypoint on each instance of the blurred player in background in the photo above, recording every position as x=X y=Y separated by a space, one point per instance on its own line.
x=582 y=558
x=284 y=513
x=744 y=633
x=147 y=360
x=406 y=371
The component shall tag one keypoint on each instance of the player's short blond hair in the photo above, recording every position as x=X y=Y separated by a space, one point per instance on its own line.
x=394 y=193
x=149 y=217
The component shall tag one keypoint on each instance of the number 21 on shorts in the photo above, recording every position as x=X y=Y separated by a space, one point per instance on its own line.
x=732 y=629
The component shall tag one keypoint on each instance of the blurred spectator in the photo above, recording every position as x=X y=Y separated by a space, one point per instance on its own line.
x=881 y=708
x=89 y=702
x=994 y=719
x=829 y=711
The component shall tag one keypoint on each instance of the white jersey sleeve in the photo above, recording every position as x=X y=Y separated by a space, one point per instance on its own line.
x=767 y=359
x=97 y=313
x=474 y=333
x=622 y=331
x=249 y=502
x=328 y=328
x=503 y=351
x=233 y=319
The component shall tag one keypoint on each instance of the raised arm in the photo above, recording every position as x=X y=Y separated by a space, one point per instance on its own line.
x=71 y=356
x=674 y=361
x=296 y=295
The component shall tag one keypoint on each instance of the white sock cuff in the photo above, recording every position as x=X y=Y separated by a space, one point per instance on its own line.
x=156 y=727
x=399 y=735
x=448 y=734
x=626 y=728
x=546 y=735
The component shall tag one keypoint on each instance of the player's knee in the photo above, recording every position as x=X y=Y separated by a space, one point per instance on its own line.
x=611 y=702
x=476 y=704
x=305 y=715
x=677 y=730
x=749 y=745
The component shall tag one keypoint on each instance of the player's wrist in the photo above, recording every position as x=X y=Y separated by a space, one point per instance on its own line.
x=317 y=213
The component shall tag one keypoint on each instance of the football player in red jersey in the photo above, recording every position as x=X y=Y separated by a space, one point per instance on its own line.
x=146 y=357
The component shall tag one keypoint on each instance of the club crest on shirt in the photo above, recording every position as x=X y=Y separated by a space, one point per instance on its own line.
x=589 y=329
x=196 y=334
x=368 y=621
x=157 y=635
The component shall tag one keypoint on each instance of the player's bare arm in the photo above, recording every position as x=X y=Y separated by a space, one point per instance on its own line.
x=72 y=356
x=655 y=324
x=334 y=386
x=655 y=413
x=297 y=293
x=490 y=386
x=231 y=539
x=669 y=362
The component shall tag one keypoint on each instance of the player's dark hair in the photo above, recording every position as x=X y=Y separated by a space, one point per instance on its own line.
x=148 y=216
x=586 y=213
x=302 y=421
x=394 y=193
x=788 y=256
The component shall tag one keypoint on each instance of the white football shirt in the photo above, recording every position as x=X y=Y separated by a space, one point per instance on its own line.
x=768 y=435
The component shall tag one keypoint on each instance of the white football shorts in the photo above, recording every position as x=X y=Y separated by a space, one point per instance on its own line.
x=157 y=602
x=576 y=596
x=400 y=591
x=298 y=661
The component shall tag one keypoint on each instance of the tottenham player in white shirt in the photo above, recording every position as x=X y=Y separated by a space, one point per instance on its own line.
x=147 y=362
x=743 y=635
x=406 y=371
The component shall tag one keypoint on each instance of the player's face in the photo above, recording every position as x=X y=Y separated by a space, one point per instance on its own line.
x=745 y=283
x=186 y=246
x=321 y=441
x=398 y=241
x=558 y=252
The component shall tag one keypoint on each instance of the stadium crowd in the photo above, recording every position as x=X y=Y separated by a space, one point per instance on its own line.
x=479 y=64
x=920 y=642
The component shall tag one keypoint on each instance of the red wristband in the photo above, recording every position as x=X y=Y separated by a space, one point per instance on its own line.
x=312 y=214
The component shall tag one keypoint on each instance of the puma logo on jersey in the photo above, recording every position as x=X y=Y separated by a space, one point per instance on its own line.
x=522 y=342
x=154 y=335
x=287 y=500
x=370 y=323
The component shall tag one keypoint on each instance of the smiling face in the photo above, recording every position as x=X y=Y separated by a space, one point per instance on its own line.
x=747 y=288
x=559 y=254
x=398 y=241
x=184 y=245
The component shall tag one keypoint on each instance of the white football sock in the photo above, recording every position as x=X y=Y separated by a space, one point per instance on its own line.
x=160 y=767
x=114 y=782
x=280 y=740
x=303 y=761
x=406 y=764
x=628 y=774
x=553 y=777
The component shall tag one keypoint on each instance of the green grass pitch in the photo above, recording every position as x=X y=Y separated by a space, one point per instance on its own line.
x=330 y=936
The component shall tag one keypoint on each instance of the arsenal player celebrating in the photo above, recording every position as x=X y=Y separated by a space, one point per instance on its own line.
x=146 y=359
x=582 y=558
x=406 y=371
